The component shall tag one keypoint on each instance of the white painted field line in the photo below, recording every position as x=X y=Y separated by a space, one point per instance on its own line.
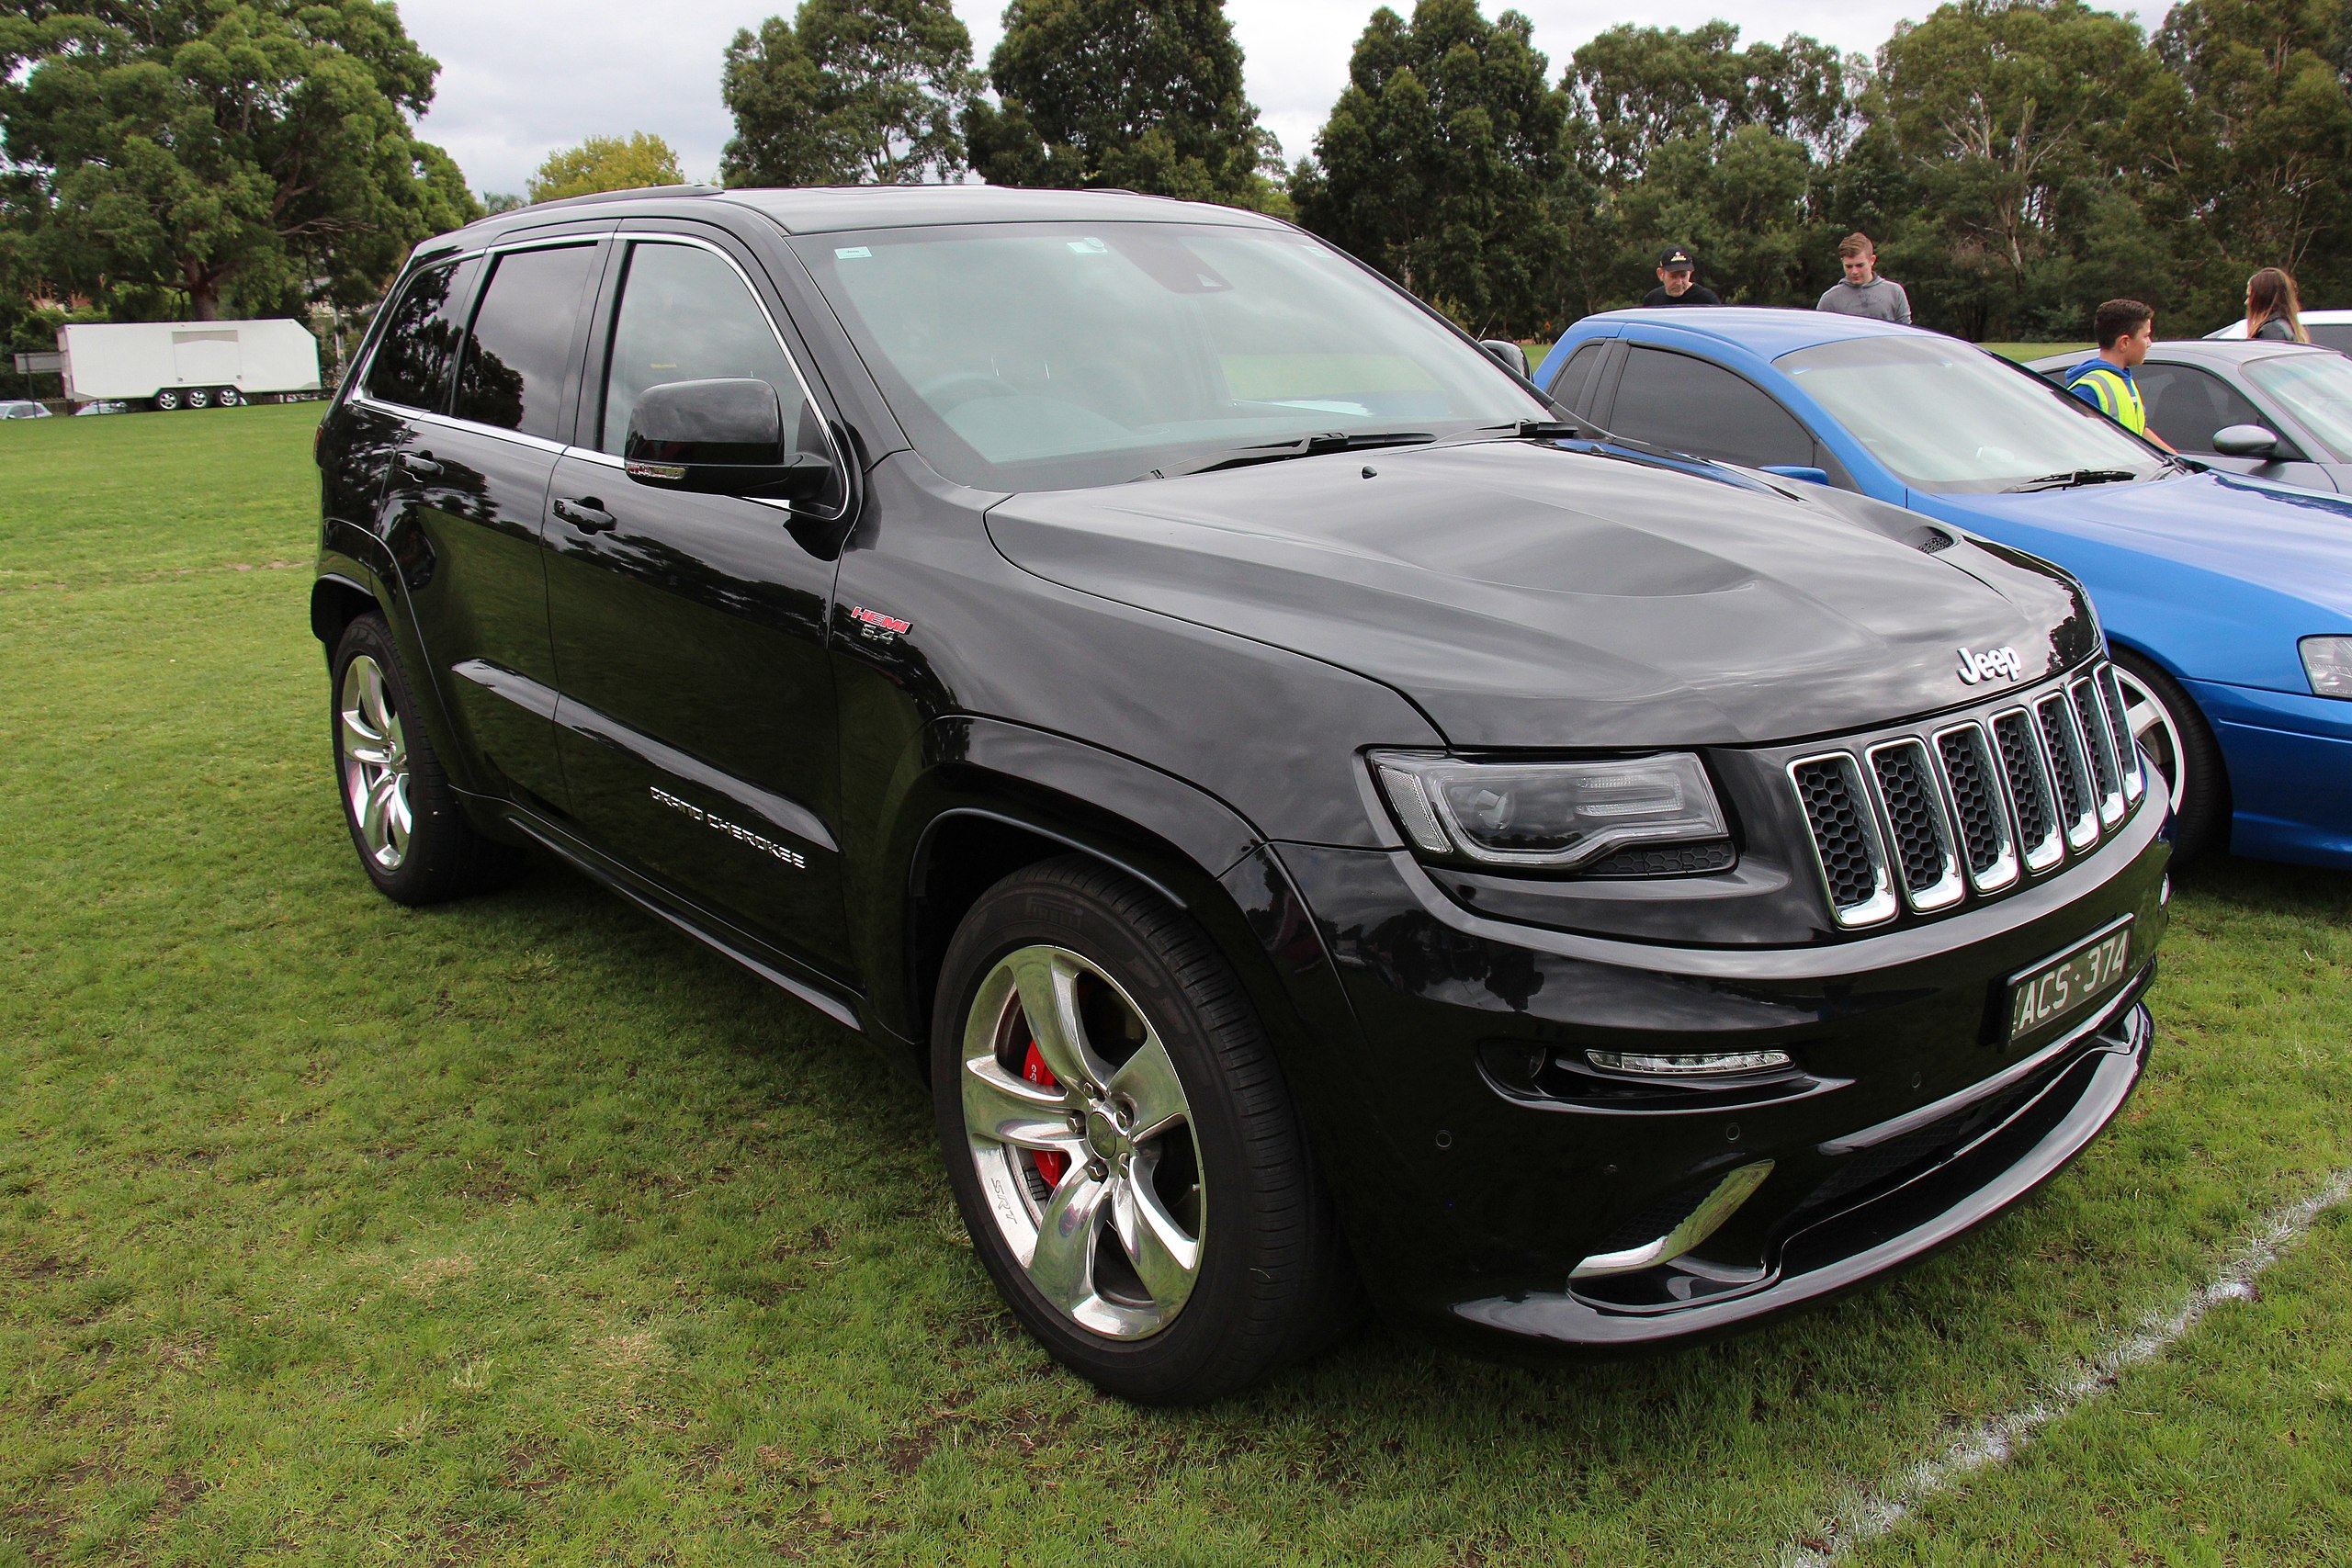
x=1868 y=1513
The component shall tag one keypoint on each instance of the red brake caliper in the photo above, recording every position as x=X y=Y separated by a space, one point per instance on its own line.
x=1049 y=1164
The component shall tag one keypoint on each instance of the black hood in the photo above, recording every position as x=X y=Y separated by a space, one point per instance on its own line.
x=1527 y=595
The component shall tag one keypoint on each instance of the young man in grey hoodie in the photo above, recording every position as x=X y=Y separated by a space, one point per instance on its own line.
x=1865 y=293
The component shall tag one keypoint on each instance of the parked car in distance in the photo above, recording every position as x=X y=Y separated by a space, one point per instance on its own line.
x=2228 y=600
x=2278 y=411
x=1165 y=685
x=22 y=408
x=2328 y=329
x=101 y=406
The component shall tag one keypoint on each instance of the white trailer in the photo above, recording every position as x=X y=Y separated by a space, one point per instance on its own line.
x=187 y=365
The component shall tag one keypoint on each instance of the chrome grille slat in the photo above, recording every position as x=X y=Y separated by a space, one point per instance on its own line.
x=1846 y=842
x=2126 y=750
x=2062 y=741
x=1978 y=804
x=2099 y=744
x=1919 y=829
x=2027 y=772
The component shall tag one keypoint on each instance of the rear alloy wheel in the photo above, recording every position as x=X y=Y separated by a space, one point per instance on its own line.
x=2173 y=738
x=413 y=840
x=228 y=397
x=166 y=402
x=199 y=397
x=1120 y=1143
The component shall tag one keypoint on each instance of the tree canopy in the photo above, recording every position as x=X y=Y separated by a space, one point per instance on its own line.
x=1446 y=140
x=229 y=153
x=1139 y=94
x=607 y=163
x=850 y=92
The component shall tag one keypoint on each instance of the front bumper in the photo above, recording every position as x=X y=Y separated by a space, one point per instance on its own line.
x=1483 y=1162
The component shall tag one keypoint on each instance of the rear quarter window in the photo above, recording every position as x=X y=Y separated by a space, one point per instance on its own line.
x=419 y=347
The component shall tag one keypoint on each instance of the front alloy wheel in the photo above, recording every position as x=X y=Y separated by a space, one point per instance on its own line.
x=375 y=763
x=1082 y=1139
x=1120 y=1141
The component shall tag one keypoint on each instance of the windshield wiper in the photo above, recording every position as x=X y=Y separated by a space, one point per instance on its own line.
x=2075 y=477
x=1304 y=446
x=1530 y=429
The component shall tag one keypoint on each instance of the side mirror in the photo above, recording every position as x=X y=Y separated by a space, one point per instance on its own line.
x=1811 y=475
x=718 y=438
x=1509 y=355
x=2245 y=441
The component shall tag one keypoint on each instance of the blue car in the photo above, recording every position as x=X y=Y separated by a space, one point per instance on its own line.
x=2227 y=600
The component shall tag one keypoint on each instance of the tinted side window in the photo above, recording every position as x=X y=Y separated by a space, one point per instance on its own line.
x=412 y=363
x=512 y=372
x=685 y=316
x=2335 y=335
x=1576 y=376
x=2185 y=405
x=1672 y=400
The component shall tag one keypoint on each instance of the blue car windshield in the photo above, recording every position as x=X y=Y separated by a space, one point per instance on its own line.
x=1052 y=355
x=2317 y=390
x=1947 y=416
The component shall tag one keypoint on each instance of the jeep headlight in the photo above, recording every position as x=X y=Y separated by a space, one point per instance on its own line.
x=1554 y=816
x=2327 y=663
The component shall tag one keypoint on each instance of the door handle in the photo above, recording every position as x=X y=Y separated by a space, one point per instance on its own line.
x=585 y=514
x=419 y=464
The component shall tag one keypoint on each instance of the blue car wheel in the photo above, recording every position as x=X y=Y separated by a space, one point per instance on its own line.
x=2176 y=739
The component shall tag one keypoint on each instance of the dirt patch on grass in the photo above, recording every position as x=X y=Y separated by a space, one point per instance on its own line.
x=427 y=1275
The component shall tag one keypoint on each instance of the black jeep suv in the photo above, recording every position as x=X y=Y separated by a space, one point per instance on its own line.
x=1314 y=812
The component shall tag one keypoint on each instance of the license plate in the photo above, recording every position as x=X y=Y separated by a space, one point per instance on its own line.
x=2060 y=986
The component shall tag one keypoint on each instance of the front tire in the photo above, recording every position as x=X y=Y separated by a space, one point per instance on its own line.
x=1120 y=1144
x=2175 y=736
x=414 y=840
x=167 y=401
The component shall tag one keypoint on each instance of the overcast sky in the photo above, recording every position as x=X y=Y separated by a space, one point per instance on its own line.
x=520 y=78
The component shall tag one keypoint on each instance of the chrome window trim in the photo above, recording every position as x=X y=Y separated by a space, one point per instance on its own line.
x=1946 y=889
x=1882 y=904
x=465 y=426
x=600 y=374
x=2006 y=867
x=2052 y=850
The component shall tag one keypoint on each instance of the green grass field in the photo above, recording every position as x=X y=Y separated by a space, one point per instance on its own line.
x=523 y=1231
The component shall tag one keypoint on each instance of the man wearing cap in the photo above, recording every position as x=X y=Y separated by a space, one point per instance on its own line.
x=1674 y=286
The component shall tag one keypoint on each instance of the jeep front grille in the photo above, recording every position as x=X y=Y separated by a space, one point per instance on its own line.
x=1920 y=820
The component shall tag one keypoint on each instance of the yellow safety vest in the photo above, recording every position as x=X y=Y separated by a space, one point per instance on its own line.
x=2116 y=396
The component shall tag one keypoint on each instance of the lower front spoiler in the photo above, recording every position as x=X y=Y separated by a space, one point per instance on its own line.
x=1851 y=1247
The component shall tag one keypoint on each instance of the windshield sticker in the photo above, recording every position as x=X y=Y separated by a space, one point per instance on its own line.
x=1089 y=247
x=850 y=253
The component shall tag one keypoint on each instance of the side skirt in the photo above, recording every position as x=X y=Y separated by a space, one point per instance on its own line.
x=771 y=964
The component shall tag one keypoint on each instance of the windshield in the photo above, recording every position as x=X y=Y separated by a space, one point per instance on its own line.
x=2317 y=390
x=1947 y=416
x=1051 y=355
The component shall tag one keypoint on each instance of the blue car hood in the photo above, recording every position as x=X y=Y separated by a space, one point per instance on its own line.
x=2295 y=542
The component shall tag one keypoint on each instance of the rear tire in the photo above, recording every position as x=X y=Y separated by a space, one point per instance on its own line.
x=1149 y=1211
x=412 y=838
x=227 y=398
x=2175 y=736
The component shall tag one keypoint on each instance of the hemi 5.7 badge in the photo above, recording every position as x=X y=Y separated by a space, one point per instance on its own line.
x=876 y=626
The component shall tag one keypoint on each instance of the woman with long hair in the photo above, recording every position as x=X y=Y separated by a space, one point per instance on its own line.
x=2272 y=309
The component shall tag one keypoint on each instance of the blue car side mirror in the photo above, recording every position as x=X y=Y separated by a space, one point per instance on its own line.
x=1799 y=471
